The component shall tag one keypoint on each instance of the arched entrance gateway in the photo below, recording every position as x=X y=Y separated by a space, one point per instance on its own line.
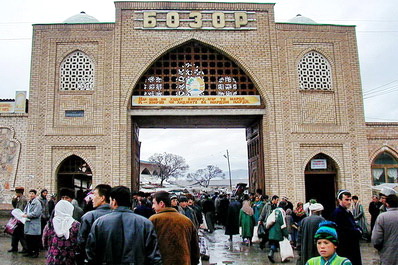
x=320 y=182
x=196 y=86
x=74 y=173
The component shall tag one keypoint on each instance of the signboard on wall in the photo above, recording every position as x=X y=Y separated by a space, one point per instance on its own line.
x=20 y=102
x=14 y=106
x=7 y=107
x=194 y=20
x=319 y=164
x=195 y=101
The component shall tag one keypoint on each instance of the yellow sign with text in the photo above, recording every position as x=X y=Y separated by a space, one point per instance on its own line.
x=195 y=101
x=6 y=107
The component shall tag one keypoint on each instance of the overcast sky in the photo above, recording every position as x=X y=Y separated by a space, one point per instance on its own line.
x=377 y=36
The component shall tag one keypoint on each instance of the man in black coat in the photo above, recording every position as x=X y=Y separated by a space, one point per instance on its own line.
x=101 y=204
x=232 y=221
x=348 y=232
x=122 y=237
x=374 y=210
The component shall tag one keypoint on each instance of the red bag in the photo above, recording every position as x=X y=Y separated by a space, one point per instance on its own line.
x=11 y=225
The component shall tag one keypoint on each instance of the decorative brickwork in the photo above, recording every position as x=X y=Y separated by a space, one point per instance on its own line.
x=324 y=117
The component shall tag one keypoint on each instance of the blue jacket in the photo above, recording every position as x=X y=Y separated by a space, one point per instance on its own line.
x=33 y=222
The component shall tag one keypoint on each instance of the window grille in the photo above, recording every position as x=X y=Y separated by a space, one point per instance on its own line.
x=194 y=69
x=77 y=72
x=314 y=72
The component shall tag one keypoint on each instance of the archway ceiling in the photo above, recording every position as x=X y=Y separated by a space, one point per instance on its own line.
x=223 y=121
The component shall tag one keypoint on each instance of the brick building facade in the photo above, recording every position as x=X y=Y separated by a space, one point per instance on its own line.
x=294 y=86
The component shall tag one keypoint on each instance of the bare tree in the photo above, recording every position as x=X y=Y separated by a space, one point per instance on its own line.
x=204 y=175
x=169 y=165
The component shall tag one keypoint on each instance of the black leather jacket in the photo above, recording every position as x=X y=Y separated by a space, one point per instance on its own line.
x=86 y=223
x=123 y=237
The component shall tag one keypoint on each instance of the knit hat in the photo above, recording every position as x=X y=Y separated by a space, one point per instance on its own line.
x=327 y=230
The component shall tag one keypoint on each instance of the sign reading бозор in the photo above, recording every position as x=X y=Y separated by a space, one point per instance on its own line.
x=194 y=20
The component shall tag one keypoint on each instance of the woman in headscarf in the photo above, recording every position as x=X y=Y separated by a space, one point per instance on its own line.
x=60 y=235
x=298 y=215
x=246 y=220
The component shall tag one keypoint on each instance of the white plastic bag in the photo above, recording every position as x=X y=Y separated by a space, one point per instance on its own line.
x=271 y=219
x=203 y=248
x=286 y=249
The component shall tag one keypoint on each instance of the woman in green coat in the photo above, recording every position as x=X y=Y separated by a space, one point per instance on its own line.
x=278 y=230
x=246 y=221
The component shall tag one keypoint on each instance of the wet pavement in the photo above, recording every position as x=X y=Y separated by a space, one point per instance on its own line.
x=221 y=252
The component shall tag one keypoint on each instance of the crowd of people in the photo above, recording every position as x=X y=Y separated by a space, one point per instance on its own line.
x=114 y=226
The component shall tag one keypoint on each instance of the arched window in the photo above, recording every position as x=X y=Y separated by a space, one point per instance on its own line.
x=74 y=173
x=385 y=169
x=77 y=72
x=145 y=172
x=314 y=72
x=194 y=69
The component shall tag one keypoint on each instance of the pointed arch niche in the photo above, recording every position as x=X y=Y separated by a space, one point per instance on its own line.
x=320 y=181
x=194 y=69
x=74 y=173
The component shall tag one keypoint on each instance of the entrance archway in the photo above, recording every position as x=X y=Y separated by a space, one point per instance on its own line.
x=320 y=182
x=74 y=173
x=196 y=85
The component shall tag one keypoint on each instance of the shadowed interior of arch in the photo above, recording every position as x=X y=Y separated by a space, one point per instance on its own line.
x=320 y=182
x=74 y=173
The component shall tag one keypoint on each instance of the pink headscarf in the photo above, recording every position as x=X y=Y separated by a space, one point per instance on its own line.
x=247 y=209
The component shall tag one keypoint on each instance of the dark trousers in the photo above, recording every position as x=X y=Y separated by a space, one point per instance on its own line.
x=43 y=224
x=33 y=242
x=18 y=236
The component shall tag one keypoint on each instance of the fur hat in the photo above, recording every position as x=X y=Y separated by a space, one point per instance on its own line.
x=19 y=189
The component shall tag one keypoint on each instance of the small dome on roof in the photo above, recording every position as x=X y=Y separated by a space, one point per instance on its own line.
x=299 y=19
x=82 y=17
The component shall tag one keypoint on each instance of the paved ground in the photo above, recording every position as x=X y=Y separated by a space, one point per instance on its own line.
x=224 y=252
x=221 y=251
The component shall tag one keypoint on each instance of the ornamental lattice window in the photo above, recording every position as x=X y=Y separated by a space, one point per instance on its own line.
x=314 y=72
x=194 y=69
x=77 y=72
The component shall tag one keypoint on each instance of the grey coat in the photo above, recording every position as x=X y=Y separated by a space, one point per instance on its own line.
x=33 y=221
x=306 y=243
x=385 y=236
